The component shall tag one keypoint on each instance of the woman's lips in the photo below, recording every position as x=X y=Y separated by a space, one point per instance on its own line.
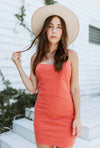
x=53 y=37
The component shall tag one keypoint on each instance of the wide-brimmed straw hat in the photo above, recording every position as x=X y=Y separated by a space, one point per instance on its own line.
x=70 y=18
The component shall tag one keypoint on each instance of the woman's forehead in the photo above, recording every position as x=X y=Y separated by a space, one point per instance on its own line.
x=56 y=20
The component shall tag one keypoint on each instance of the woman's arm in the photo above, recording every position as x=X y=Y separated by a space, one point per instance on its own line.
x=30 y=83
x=75 y=89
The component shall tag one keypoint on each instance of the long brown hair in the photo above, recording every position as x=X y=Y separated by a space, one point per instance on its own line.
x=60 y=55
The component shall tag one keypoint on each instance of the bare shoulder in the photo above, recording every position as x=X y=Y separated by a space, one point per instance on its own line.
x=73 y=56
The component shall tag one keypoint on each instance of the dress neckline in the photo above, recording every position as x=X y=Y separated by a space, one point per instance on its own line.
x=53 y=65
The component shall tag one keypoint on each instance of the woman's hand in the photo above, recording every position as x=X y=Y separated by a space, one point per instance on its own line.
x=16 y=57
x=76 y=128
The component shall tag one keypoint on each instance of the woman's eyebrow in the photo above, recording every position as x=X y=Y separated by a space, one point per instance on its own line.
x=57 y=24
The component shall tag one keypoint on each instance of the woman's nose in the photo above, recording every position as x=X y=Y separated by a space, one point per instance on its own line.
x=54 y=29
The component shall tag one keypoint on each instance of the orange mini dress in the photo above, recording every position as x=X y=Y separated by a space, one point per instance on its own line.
x=54 y=108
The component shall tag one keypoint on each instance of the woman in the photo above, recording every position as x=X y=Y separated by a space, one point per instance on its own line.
x=54 y=72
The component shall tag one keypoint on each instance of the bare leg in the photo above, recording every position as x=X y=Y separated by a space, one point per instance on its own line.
x=44 y=146
x=64 y=147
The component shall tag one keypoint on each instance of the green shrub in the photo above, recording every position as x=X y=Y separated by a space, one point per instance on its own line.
x=10 y=110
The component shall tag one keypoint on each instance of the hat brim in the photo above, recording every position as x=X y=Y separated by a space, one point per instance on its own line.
x=71 y=20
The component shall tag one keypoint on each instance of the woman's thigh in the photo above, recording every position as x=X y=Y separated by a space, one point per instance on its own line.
x=43 y=146
x=64 y=147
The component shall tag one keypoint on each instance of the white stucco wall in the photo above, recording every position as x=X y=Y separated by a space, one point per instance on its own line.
x=13 y=37
x=89 y=61
x=89 y=65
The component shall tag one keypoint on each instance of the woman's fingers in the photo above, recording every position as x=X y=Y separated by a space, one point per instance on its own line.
x=73 y=130
x=16 y=57
x=76 y=128
x=16 y=53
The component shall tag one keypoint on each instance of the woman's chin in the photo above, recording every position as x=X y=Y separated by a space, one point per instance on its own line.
x=54 y=42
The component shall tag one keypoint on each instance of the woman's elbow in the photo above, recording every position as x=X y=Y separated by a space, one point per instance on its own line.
x=32 y=92
x=75 y=89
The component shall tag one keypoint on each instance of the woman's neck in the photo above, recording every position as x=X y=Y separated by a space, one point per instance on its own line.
x=53 y=47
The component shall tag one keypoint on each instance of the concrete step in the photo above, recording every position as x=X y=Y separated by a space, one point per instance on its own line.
x=12 y=140
x=82 y=143
x=24 y=128
x=29 y=113
x=90 y=117
x=23 y=133
x=90 y=126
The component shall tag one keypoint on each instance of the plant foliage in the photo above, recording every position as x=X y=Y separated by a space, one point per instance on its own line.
x=49 y=2
x=8 y=110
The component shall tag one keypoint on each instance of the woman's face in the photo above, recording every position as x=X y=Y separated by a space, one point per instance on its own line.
x=54 y=31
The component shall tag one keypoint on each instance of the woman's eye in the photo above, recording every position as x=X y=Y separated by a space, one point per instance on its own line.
x=59 y=27
x=50 y=26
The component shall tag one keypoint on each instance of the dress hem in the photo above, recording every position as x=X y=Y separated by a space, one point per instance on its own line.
x=53 y=143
